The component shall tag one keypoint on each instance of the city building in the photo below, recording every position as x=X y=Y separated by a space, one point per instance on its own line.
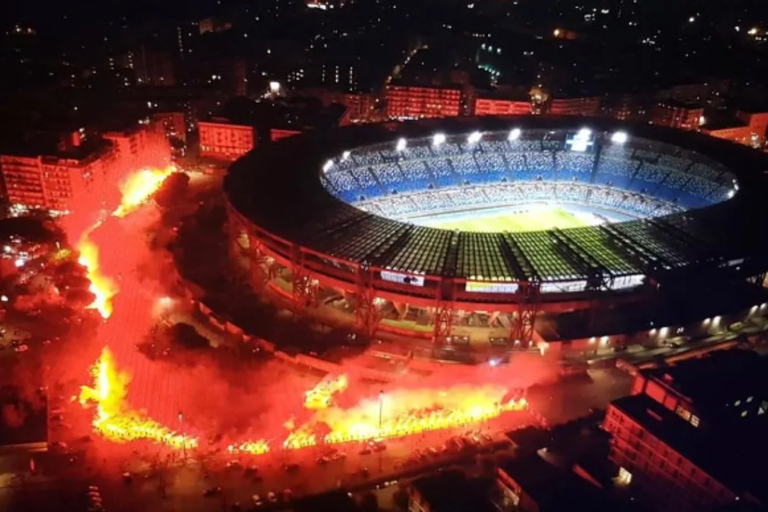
x=332 y=501
x=174 y=124
x=359 y=105
x=222 y=140
x=495 y=106
x=332 y=74
x=275 y=134
x=528 y=483
x=411 y=102
x=142 y=145
x=710 y=92
x=677 y=114
x=55 y=175
x=691 y=435
x=150 y=66
x=448 y=491
x=583 y=106
x=213 y=25
x=627 y=107
x=748 y=128
x=53 y=181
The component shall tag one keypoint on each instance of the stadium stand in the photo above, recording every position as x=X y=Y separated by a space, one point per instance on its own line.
x=427 y=178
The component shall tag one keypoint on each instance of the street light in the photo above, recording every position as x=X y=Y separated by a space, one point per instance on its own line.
x=381 y=408
x=183 y=438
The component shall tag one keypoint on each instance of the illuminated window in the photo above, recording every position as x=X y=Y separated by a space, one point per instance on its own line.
x=625 y=477
x=695 y=421
x=737 y=403
x=744 y=414
x=683 y=413
x=749 y=399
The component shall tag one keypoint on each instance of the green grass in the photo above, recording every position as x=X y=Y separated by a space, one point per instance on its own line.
x=537 y=220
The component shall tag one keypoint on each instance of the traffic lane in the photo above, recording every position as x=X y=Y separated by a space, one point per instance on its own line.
x=576 y=397
x=184 y=484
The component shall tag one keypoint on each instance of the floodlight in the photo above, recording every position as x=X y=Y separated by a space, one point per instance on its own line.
x=584 y=133
x=515 y=134
x=619 y=137
x=438 y=139
x=474 y=137
x=328 y=165
x=345 y=155
x=401 y=144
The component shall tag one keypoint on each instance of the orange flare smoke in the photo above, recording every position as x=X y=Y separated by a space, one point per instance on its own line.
x=139 y=187
x=102 y=287
x=321 y=396
x=114 y=420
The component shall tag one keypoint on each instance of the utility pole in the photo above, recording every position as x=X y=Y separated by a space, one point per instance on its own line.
x=183 y=437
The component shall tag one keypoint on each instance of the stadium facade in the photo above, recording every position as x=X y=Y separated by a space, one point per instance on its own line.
x=326 y=218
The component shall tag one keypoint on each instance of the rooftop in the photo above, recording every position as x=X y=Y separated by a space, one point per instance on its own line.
x=721 y=377
x=49 y=145
x=552 y=488
x=729 y=456
x=22 y=422
x=721 y=121
x=333 y=501
x=452 y=491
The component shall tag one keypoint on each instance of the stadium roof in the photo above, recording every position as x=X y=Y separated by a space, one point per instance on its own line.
x=278 y=187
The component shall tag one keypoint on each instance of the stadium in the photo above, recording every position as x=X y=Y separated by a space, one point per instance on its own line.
x=511 y=229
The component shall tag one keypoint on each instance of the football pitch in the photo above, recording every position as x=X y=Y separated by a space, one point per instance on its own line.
x=495 y=221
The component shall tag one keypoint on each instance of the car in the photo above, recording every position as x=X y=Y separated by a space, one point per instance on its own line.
x=234 y=464
x=251 y=470
x=338 y=456
x=287 y=494
x=256 y=500
x=21 y=348
x=127 y=477
x=364 y=471
x=211 y=491
x=46 y=342
x=433 y=451
x=379 y=447
x=59 y=447
x=272 y=497
x=292 y=467
x=323 y=460
x=365 y=451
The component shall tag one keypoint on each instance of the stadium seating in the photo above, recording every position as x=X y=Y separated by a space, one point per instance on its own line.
x=423 y=177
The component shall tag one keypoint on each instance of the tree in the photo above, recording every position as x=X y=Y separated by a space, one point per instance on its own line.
x=186 y=336
x=29 y=228
x=369 y=502
x=173 y=190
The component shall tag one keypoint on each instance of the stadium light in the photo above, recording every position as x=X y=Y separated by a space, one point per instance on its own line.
x=619 y=137
x=328 y=165
x=515 y=134
x=401 y=144
x=345 y=155
x=584 y=133
x=438 y=139
x=731 y=193
x=474 y=137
